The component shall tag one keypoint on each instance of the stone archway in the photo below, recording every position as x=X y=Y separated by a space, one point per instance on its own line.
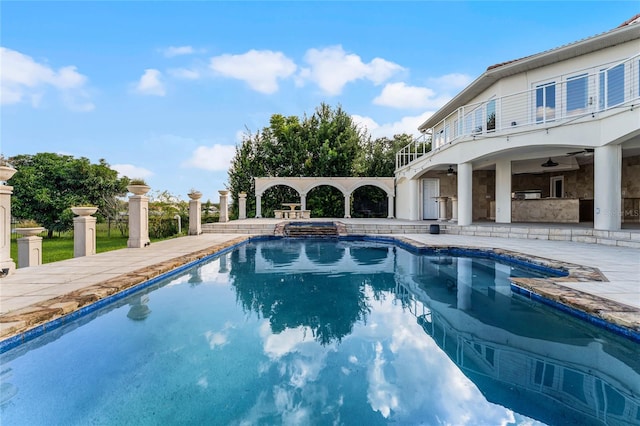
x=346 y=185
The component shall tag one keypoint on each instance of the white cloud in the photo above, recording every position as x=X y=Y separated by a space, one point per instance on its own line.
x=451 y=82
x=399 y=95
x=407 y=124
x=23 y=78
x=150 y=83
x=172 y=51
x=131 y=171
x=332 y=68
x=216 y=157
x=261 y=70
x=184 y=73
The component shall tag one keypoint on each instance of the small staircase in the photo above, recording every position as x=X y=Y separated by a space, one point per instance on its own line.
x=312 y=230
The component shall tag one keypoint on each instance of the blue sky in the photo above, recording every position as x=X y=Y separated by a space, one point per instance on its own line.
x=165 y=90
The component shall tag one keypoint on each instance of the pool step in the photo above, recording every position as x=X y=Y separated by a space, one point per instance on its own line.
x=325 y=230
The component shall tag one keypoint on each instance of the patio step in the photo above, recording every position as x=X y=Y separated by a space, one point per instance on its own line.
x=391 y=228
x=622 y=238
x=236 y=228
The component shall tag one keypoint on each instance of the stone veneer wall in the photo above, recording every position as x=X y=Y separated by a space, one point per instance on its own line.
x=483 y=192
x=577 y=183
x=631 y=177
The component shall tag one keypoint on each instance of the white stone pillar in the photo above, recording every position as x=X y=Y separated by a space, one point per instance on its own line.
x=414 y=199
x=442 y=209
x=242 y=205
x=7 y=265
x=607 y=192
x=503 y=191
x=84 y=236
x=195 y=217
x=303 y=201
x=29 y=251
x=464 y=282
x=390 y=205
x=258 y=205
x=454 y=209
x=465 y=198
x=138 y=221
x=347 y=205
x=224 y=208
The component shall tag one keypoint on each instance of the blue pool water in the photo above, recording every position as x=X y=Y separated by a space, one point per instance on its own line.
x=325 y=332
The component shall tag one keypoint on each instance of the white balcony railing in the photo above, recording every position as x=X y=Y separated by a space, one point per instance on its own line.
x=554 y=101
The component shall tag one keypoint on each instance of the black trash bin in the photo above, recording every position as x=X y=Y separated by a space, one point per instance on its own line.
x=434 y=229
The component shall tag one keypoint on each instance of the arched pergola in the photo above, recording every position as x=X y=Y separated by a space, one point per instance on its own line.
x=346 y=185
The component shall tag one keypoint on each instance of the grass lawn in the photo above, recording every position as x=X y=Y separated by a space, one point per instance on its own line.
x=60 y=247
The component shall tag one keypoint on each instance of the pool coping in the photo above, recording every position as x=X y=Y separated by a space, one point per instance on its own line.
x=36 y=319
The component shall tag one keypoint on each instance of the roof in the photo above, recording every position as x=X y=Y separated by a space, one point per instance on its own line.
x=627 y=31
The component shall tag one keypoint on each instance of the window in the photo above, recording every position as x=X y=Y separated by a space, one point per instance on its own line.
x=477 y=120
x=611 y=87
x=468 y=124
x=557 y=186
x=491 y=115
x=545 y=102
x=577 y=99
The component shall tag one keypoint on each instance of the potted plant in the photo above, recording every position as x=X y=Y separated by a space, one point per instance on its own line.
x=138 y=186
x=194 y=194
x=6 y=169
x=28 y=228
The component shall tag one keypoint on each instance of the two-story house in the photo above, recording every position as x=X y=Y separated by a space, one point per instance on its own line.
x=552 y=137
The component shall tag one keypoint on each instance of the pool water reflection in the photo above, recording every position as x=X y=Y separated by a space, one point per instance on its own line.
x=323 y=332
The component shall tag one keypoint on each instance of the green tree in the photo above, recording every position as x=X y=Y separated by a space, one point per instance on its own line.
x=325 y=144
x=46 y=185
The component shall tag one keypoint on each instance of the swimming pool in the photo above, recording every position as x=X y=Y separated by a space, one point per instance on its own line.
x=316 y=332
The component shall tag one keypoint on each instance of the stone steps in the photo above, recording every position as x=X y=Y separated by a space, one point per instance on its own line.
x=366 y=229
x=622 y=238
x=235 y=228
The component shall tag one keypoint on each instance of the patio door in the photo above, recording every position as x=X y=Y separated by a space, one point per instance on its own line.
x=430 y=190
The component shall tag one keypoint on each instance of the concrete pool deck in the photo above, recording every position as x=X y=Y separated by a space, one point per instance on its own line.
x=33 y=296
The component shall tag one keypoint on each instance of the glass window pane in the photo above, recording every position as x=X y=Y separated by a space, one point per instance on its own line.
x=615 y=85
x=546 y=102
x=577 y=95
x=491 y=115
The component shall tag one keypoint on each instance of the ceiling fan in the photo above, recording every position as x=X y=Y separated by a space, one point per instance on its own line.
x=449 y=171
x=586 y=152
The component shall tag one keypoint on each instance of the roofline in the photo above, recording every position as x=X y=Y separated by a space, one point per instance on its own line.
x=614 y=37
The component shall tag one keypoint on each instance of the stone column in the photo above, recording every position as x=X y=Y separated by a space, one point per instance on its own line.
x=84 y=231
x=465 y=198
x=442 y=209
x=607 y=188
x=242 y=205
x=503 y=191
x=138 y=221
x=414 y=199
x=390 y=205
x=464 y=283
x=195 y=213
x=347 y=205
x=303 y=201
x=29 y=247
x=224 y=209
x=258 y=205
x=7 y=265
x=454 y=209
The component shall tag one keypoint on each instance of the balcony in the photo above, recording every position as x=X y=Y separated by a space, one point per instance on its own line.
x=553 y=102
